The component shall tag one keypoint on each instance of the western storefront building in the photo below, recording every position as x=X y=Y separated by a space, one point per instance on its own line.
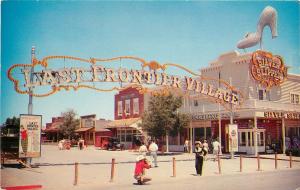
x=93 y=131
x=269 y=115
x=129 y=106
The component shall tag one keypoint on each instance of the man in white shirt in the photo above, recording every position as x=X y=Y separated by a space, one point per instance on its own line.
x=186 y=146
x=205 y=146
x=153 y=148
x=216 y=148
x=143 y=149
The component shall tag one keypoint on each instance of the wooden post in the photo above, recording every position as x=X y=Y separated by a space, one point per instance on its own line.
x=258 y=162
x=2 y=160
x=174 y=167
x=76 y=174
x=290 y=159
x=241 y=163
x=276 y=165
x=112 y=172
x=219 y=164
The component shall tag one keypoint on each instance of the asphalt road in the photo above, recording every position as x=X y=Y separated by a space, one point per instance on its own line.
x=283 y=180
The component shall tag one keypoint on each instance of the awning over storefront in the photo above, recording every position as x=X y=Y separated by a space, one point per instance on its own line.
x=292 y=123
x=84 y=129
x=131 y=122
x=103 y=130
x=200 y=124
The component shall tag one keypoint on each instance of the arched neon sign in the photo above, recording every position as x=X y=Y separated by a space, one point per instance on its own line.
x=150 y=74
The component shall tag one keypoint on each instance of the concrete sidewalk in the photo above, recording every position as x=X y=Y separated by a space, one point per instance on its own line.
x=57 y=168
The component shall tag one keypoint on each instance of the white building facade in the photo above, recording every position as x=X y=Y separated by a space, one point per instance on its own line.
x=269 y=115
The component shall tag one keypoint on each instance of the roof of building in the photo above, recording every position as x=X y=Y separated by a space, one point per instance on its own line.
x=294 y=76
x=101 y=125
x=50 y=130
x=87 y=116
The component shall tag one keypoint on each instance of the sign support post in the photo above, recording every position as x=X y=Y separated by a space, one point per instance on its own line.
x=283 y=136
x=30 y=105
x=255 y=136
x=231 y=123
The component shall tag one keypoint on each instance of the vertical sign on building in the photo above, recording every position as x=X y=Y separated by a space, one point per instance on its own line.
x=233 y=138
x=30 y=136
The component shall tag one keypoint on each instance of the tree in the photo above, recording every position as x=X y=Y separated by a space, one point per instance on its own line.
x=163 y=118
x=11 y=125
x=70 y=123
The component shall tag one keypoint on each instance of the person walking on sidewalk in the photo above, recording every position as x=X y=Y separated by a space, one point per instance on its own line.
x=140 y=167
x=216 y=149
x=143 y=149
x=153 y=148
x=186 y=145
x=205 y=146
x=200 y=152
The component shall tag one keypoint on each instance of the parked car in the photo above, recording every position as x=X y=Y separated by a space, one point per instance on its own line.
x=74 y=142
x=114 y=144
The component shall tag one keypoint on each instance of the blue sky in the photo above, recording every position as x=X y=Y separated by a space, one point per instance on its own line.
x=188 y=33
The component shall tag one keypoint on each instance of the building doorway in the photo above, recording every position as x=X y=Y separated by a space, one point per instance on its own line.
x=246 y=140
x=202 y=133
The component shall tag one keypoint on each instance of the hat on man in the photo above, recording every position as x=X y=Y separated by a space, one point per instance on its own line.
x=197 y=142
x=140 y=157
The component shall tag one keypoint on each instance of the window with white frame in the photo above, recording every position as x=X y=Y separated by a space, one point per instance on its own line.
x=120 y=108
x=295 y=98
x=196 y=103
x=267 y=92
x=127 y=107
x=136 y=106
x=89 y=123
x=263 y=94
x=260 y=94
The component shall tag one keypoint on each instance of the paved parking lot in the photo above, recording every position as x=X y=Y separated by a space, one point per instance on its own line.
x=56 y=168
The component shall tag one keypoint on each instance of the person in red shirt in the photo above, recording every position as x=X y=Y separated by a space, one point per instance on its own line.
x=24 y=140
x=140 y=167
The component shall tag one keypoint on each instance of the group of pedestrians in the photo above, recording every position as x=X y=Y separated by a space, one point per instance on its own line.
x=152 y=150
x=142 y=163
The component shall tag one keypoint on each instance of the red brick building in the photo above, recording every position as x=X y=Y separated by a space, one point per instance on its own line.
x=129 y=106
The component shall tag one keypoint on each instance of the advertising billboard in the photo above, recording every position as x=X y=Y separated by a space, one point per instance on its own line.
x=30 y=136
x=233 y=138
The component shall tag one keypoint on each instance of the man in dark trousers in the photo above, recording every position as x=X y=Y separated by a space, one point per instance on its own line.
x=200 y=152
